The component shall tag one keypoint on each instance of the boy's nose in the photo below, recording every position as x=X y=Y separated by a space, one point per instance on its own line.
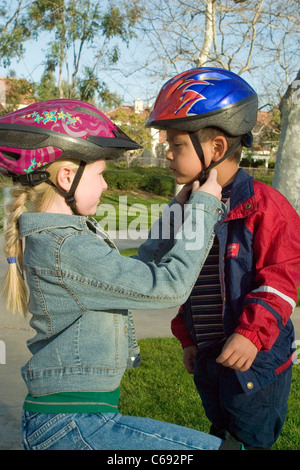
x=169 y=155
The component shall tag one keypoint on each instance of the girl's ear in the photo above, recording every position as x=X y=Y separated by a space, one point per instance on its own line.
x=65 y=178
x=219 y=147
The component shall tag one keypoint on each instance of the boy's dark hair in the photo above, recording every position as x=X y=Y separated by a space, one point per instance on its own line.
x=211 y=132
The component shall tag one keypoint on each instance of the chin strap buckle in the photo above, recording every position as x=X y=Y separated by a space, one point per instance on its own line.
x=32 y=179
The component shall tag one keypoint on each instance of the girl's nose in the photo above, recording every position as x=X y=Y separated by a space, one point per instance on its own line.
x=105 y=185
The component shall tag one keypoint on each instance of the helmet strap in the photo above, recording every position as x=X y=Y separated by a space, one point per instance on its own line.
x=41 y=176
x=70 y=195
x=198 y=148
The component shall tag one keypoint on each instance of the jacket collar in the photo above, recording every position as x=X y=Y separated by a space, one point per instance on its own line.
x=242 y=199
x=30 y=223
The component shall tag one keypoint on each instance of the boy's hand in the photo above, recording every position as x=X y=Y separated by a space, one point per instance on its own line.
x=189 y=356
x=238 y=353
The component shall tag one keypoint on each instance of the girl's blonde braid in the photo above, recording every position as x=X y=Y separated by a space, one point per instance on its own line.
x=14 y=287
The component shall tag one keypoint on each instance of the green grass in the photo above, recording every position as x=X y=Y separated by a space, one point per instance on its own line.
x=162 y=389
x=138 y=210
x=129 y=252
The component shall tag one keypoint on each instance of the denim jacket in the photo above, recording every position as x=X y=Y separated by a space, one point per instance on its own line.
x=81 y=288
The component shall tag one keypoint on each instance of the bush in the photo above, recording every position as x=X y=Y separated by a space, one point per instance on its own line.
x=120 y=179
x=162 y=185
x=153 y=180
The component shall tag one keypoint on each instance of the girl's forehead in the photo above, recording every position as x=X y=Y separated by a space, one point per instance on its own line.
x=99 y=164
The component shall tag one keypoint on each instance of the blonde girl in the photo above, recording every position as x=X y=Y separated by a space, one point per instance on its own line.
x=65 y=271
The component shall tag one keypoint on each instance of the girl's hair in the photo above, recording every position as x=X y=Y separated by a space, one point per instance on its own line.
x=25 y=199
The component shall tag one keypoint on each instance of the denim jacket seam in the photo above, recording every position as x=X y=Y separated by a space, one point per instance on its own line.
x=71 y=292
x=42 y=299
x=84 y=368
x=110 y=288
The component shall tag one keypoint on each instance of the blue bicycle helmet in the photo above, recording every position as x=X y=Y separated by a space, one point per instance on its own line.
x=207 y=97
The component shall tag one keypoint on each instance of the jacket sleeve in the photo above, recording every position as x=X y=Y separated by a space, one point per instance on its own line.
x=276 y=248
x=101 y=279
x=161 y=235
x=179 y=330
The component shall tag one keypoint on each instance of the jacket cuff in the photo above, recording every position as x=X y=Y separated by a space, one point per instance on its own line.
x=187 y=342
x=251 y=335
x=180 y=332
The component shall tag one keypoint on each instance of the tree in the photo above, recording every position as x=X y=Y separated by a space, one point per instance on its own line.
x=13 y=31
x=90 y=84
x=287 y=168
x=258 y=40
x=79 y=27
x=47 y=89
x=133 y=124
x=17 y=91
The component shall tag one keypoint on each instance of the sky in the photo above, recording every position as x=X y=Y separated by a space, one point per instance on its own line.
x=128 y=88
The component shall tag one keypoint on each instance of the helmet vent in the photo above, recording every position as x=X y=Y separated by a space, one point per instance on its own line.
x=88 y=111
x=24 y=139
x=10 y=155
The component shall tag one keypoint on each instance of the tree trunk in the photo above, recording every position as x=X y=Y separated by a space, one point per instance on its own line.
x=206 y=46
x=287 y=168
x=209 y=32
x=62 y=53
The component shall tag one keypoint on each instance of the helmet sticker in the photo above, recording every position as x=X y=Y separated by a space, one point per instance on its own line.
x=34 y=165
x=191 y=96
x=52 y=116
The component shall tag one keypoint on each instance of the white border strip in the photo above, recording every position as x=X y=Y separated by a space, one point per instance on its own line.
x=275 y=291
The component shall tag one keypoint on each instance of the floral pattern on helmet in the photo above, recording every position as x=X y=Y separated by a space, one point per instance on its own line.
x=52 y=116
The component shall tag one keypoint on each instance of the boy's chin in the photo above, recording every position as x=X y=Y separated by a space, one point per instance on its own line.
x=184 y=180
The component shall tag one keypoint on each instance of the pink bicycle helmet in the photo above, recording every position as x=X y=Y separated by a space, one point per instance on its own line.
x=34 y=137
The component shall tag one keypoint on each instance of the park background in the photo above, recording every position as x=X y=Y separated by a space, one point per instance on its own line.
x=117 y=55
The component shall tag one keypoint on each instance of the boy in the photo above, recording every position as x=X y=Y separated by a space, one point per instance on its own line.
x=235 y=330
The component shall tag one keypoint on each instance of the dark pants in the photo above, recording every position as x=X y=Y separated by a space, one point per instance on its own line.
x=255 y=419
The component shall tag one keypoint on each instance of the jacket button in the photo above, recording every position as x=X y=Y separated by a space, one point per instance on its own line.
x=219 y=211
x=248 y=206
x=250 y=385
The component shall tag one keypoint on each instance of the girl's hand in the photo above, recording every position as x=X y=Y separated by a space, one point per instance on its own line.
x=211 y=185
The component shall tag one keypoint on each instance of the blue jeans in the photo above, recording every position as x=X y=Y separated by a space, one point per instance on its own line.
x=109 y=431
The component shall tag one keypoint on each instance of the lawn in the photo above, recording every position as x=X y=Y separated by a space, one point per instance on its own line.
x=162 y=389
x=122 y=210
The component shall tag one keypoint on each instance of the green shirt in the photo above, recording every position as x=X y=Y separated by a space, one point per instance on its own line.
x=74 y=402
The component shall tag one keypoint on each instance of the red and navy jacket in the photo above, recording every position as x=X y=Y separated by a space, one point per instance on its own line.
x=260 y=270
